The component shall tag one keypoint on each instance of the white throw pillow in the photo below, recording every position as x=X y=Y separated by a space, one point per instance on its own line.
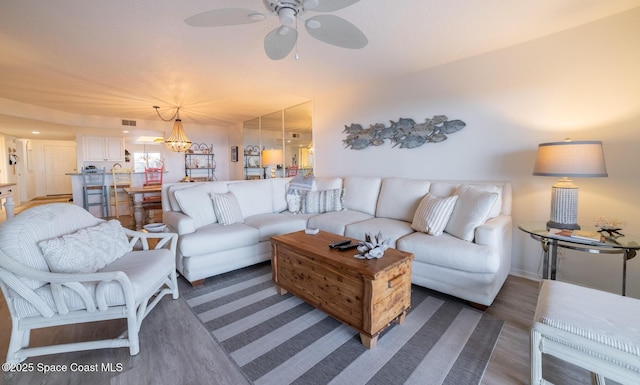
x=314 y=202
x=433 y=213
x=227 y=209
x=196 y=203
x=87 y=250
x=294 y=201
x=472 y=209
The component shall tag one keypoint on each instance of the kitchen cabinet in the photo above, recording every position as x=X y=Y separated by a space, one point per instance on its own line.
x=99 y=149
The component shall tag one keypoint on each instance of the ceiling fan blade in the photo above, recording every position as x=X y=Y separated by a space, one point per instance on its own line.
x=224 y=17
x=336 y=31
x=332 y=5
x=279 y=42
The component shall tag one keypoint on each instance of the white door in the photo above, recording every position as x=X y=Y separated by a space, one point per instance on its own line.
x=58 y=161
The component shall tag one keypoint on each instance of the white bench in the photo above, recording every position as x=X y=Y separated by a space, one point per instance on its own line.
x=592 y=329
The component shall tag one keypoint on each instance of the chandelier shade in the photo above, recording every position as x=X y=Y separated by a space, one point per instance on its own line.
x=177 y=141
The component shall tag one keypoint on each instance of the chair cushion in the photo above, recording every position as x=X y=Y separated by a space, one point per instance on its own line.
x=602 y=317
x=37 y=224
x=144 y=268
x=87 y=250
x=433 y=213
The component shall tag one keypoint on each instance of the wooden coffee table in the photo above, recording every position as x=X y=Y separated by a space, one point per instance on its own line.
x=367 y=295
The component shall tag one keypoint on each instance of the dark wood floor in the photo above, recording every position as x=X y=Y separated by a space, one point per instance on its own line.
x=176 y=348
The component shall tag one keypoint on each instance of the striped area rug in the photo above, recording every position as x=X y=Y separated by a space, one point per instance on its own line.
x=278 y=340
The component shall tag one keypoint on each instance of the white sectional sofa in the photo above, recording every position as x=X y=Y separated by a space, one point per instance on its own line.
x=470 y=259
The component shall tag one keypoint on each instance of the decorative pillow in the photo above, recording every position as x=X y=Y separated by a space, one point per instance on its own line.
x=294 y=201
x=87 y=250
x=227 y=208
x=433 y=213
x=196 y=203
x=314 y=202
x=301 y=182
x=472 y=209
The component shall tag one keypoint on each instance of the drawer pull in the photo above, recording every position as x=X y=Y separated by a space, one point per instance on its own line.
x=393 y=282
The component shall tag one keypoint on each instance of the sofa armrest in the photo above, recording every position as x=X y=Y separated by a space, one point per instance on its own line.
x=179 y=222
x=495 y=232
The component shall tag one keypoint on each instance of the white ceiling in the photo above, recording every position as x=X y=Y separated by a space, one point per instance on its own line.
x=116 y=59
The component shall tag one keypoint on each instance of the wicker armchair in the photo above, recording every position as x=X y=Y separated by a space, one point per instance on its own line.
x=128 y=287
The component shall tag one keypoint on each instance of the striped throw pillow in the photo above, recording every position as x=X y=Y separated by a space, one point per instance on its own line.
x=314 y=202
x=227 y=208
x=433 y=213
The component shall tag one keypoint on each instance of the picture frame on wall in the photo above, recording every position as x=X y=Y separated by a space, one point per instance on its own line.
x=234 y=153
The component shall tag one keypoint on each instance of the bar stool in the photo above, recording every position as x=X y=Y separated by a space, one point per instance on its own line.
x=93 y=185
x=122 y=178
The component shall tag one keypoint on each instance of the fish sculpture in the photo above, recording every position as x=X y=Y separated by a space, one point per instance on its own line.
x=404 y=133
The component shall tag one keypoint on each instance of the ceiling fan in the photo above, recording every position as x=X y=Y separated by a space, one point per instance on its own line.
x=278 y=43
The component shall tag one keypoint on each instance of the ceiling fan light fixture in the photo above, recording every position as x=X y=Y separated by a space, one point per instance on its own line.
x=283 y=30
x=313 y=24
x=287 y=16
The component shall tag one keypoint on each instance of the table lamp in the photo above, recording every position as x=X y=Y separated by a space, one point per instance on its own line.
x=568 y=159
x=273 y=158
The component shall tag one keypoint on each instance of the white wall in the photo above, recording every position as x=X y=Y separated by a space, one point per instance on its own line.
x=582 y=83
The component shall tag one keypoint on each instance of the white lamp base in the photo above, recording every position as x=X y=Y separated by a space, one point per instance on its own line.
x=564 y=206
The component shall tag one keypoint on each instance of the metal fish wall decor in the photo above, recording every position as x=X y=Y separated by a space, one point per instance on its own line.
x=405 y=133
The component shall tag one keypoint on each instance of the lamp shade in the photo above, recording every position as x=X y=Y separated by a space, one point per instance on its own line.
x=271 y=157
x=570 y=159
x=177 y=141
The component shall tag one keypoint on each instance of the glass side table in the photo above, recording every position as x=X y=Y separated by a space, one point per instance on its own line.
x=627 y=245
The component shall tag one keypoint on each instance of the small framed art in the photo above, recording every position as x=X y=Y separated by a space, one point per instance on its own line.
x=234 y=153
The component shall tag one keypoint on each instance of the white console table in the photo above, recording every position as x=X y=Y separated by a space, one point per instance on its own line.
x=6 y=193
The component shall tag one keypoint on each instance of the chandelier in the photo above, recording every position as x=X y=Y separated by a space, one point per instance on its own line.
x=177 y=141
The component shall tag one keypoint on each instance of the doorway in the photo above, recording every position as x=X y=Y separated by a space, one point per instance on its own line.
x=58 y=162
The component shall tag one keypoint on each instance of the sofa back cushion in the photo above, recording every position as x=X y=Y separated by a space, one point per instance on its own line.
x=196 y=203
x=254 y=196
x=279 y=194
x=326 y=183
x=361 y=193
x=400 y=197
x=218 y=187
x=19 y=237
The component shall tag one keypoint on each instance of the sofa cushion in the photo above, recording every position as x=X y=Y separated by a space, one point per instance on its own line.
x=472 y=209
x=86 y=250
x=322 y=201
x=279 y=194
x=445 y=189
x=399 y=198
x=449 y=252
x=433 y=213
x=227 y=208
x=216 y=237
x=392 y=229
x=336 y=221
x=196 y=203
x=361 y=193
x=269 y=225
x=326 y=183
x=254 y=196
